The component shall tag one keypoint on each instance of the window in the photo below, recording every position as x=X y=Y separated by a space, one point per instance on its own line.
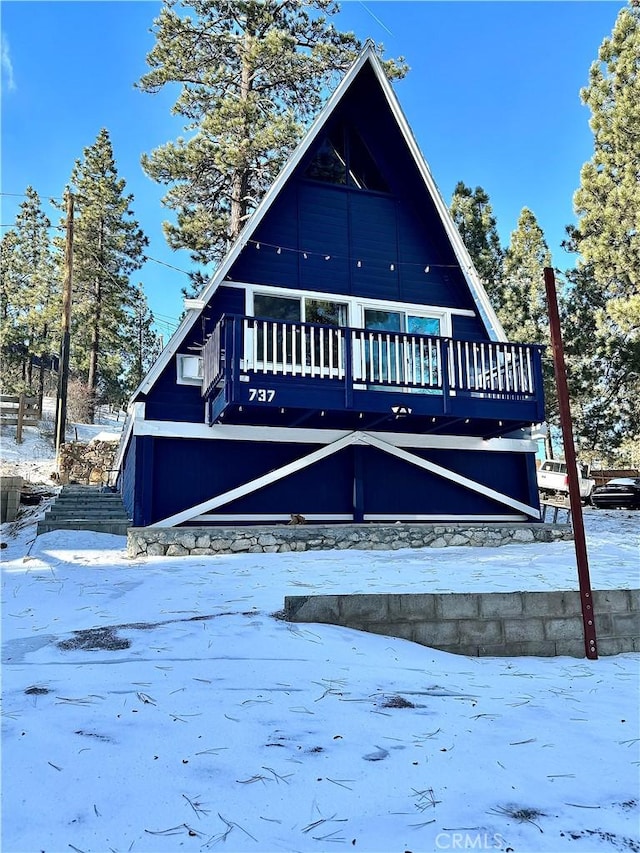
x=395 y=359
x=342 y=158
x=276 y=307
x=328 y=313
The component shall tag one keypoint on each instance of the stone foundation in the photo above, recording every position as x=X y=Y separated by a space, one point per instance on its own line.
x=184 y=541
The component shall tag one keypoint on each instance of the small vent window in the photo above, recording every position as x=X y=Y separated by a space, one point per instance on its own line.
x=189 y=369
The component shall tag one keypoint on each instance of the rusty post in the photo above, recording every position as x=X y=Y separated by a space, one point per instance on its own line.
x=586 y=595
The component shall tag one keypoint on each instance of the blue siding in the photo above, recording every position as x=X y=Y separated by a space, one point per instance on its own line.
x=168 y=401
x=468 y=328
x=393 y=486
x=188 y=472
x=400 y=229
x=324 y=230
x=374 y=242
x=127 y=480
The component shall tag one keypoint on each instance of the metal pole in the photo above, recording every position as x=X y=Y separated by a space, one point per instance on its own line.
x=586 y=596
x=63 y=369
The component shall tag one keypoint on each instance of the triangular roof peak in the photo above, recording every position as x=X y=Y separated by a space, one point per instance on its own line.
x=367 y=56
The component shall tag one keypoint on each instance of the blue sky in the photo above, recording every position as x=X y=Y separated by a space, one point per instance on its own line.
x=492 y=97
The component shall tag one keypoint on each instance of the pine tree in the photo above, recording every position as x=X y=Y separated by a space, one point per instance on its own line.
x=523 y=310
x=593 y=375
x=251 y=74
x=29 y=298
x=144 y=343
x=607 y=236
x=108 y=248
x=473 y=215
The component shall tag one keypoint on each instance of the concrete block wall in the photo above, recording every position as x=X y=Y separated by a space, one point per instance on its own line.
x=10 y=488
x=543 y=624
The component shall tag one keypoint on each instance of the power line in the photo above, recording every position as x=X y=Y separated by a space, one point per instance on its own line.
x=41 y=195
x=164 y=264
x=49 y=227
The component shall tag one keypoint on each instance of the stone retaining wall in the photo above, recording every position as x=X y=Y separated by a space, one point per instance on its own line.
x=478 y=624
x=179 y=541
x=87 y=463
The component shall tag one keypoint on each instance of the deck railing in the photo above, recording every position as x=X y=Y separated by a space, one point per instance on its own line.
x=369 y=358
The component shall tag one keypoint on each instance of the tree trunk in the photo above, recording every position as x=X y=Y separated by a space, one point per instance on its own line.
x=92 y=379
x=43 y=355
x=240 y=180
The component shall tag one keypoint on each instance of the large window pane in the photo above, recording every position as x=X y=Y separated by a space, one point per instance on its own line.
x=324 y=349
x=423 y=325
x=328 y=313
x=276 y=307
x=276 y=343
x=383 y=321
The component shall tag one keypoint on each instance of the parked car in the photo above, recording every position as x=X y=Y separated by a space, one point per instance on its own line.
x=621 y=492
x=553 y=480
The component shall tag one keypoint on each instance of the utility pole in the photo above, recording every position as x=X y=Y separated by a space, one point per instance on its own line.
x=63 y=369
x=579 y=540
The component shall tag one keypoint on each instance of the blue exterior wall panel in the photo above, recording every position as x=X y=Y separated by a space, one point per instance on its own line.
x=468 y=328
x=187 y=472
x=127 y=479
x=168 y=401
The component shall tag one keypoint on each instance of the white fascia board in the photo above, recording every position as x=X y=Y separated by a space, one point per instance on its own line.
x=134 y=413
x=487 y=312
x=300 y=435
x=167 y=353
x=127 y=431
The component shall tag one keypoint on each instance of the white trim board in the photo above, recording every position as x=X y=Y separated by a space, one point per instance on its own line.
x=322 y=453
x=260 y=518
x=478 y=292
x=300 y=435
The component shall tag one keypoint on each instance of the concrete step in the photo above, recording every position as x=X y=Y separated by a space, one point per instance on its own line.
x=118 y=528
x=100 y=514
x=102 y=500
x=86 y=508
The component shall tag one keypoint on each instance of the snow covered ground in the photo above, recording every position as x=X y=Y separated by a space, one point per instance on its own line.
x=162 y=706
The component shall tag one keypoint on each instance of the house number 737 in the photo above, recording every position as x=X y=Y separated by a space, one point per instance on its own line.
x=261 y=395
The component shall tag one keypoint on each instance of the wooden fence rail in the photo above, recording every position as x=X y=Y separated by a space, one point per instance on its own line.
x=19 y=410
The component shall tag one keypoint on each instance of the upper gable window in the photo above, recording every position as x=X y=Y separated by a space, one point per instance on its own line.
x=343 y=158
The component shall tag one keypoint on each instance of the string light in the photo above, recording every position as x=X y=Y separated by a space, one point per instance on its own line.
x=393 y=265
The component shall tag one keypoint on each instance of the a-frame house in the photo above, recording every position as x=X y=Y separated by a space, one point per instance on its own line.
x=344 y=362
